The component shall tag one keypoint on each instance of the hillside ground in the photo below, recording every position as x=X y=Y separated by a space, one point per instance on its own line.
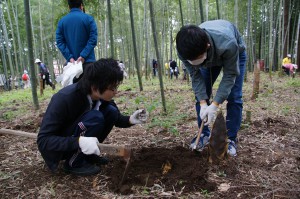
x=267 y=165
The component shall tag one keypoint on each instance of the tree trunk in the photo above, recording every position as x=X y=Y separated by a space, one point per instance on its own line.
x=286 y=6
x=110 y=30
x=236 y=13
x=21 y=50
x=12 y=72
x=16 y=64
x=30 y=51
x=298 y=44
x=42 y=53
x=158 y=57
x=256 y=81
x=201 y=11
x=218 y=10
x=181 y=15
x=137 y=62
x=270 y=65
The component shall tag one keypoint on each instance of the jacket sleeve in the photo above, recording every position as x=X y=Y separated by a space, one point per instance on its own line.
x=92 y=42
x=198 y=83
x=61 y=42
x=122 y=121
x=231 y=70
x=51 y=137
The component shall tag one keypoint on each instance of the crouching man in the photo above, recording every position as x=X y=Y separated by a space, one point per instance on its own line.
x=81 y=115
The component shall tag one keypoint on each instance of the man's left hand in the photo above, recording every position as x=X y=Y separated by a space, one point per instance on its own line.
x=80 y=59
x=138 y=117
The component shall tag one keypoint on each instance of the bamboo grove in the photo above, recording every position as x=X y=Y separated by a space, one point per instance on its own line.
x=270 y=29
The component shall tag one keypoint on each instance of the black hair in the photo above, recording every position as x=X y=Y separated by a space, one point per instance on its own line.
x=75 y=3
x=191 y=41
x=102 y=75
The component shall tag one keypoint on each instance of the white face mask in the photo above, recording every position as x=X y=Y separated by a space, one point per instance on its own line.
x=198 y=61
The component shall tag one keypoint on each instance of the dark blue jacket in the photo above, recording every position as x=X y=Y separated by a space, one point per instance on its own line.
x=76 y=35
x=65 y=108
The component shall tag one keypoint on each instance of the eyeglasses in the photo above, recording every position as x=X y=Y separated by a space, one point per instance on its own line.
x=114 y=89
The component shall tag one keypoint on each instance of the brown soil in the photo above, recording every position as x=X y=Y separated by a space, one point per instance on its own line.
x=162 y=165
x=188 y=170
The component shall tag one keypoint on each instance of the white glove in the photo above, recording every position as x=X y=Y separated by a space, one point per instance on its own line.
x=202 y=110
x=210 y=112
x=138 y=117
x=89 y=145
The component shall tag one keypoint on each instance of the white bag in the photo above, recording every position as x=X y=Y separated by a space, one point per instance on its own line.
x=70 y=71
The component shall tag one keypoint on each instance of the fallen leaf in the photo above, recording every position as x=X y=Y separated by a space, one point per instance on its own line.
x=224 y=187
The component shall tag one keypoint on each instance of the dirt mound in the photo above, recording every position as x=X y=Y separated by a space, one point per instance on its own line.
x=176 y=168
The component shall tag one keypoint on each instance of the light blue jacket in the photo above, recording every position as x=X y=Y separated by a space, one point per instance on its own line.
x=76 y=35
x=226 y=45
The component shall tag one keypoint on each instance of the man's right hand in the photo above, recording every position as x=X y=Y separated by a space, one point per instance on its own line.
x=72 y=60
x=88 y=145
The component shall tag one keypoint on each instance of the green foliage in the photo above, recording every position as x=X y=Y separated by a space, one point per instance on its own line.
x=16 y=103
x=221 y=174
x=293 y=82
x=205 y=193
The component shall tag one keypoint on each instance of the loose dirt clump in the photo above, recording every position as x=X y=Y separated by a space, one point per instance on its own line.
x=176 y=168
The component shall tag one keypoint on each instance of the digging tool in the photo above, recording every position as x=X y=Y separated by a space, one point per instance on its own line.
x=198 y=136
x=127 y=158
x=120 y=151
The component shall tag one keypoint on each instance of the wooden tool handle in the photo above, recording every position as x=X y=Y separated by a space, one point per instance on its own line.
x=199 y=134
x=122 y=151
x=18 y=133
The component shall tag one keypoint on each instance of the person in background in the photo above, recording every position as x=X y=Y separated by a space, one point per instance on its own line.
x=184 y=72
x=205 y=50
x=81 y=115
x=174 y=69
x=76 y=35
x=26 y=79
x=44 y=74
x=285 y=61
x=154 y=67
x=167 y=69
x=122 y=67
x=291 y=69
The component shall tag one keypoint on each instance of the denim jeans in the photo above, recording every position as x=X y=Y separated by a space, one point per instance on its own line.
x=93 y=123
x=235 y=99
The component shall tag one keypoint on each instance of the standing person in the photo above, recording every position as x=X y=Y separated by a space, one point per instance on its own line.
x=122 y=67
x=285 y=61
x=44 y=74
x=154 y=67
x=81 y=115
x=76 y=35
x=205 y=50
x=167 y=68
x=26 y=79
x=184 y=72
x=174 y=69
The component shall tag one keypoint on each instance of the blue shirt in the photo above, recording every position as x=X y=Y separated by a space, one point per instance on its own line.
x=76 y=35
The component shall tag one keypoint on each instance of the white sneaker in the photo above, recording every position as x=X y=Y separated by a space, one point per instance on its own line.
x=232 y=148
